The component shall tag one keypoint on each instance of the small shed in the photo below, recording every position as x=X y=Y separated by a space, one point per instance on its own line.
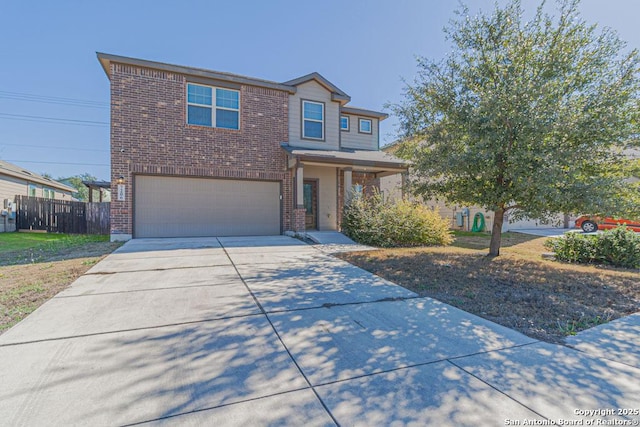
x=102 y=188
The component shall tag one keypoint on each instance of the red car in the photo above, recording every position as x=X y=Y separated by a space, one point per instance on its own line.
x=589 y=224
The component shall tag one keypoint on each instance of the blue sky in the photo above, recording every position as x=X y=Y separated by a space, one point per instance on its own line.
x=48 y=67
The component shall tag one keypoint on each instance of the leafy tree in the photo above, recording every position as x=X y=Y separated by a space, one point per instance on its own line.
x=82 y=193
x=529 y=117
x=635 y=168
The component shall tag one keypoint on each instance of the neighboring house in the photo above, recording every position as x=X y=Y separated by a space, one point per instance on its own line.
x=196 y=152
x=462 y=217
x=17 y=181
x=634 y=154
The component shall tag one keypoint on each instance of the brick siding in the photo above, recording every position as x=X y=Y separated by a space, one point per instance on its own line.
x=150 y=135
x=299 y=223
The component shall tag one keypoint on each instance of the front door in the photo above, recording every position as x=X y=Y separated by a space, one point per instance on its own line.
x=310 y=200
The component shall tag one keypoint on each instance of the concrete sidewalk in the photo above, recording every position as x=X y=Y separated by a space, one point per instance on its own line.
x=332 y=242
x=618 y=340
x=545 y=232
x=271 y=331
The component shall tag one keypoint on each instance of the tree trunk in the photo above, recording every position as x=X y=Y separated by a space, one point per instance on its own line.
x=496 y=232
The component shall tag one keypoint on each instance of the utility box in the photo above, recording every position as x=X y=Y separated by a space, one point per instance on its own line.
x=459 y=219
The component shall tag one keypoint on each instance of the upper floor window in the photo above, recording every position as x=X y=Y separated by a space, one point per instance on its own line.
x=312 y=120
x=364 y=126
x=344 y=123
x=221 y=111
x=48 y=193
x=32 y=190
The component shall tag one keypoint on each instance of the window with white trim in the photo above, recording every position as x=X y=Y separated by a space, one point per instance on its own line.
x=344 y=123
x=213 y=106
x=48 y=193
x=312 y=120
x=364 y=125
x=32 y=190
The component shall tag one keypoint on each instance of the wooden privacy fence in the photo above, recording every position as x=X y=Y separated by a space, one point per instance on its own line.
x=62 y=216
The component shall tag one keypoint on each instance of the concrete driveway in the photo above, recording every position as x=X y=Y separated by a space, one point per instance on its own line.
x=271 y=331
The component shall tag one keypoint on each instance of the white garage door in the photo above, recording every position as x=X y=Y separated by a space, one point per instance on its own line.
x=191 y=207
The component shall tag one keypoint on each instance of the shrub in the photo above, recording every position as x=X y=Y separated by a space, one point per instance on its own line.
x=373 y=221
x=619 y=247
x=574 y=247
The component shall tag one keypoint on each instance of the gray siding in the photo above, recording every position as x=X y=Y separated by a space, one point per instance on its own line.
x=313 y=91
x=327 y=195
x=360 y=141
x=391 y=186
x=9 y=187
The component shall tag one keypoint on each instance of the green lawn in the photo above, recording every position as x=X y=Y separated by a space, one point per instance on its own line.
x=24 y=240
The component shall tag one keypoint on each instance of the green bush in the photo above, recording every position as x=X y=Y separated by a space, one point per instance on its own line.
x=373 y=221
x=619 y=247
x=574 y=247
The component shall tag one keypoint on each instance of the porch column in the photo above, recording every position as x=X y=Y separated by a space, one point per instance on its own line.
x=348 y=185
x=300 y=186
x=299 y=212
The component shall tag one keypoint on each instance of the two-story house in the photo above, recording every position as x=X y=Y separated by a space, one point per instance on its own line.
x=197 y=152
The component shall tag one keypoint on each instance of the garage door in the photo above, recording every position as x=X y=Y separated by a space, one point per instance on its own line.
x=191 y=207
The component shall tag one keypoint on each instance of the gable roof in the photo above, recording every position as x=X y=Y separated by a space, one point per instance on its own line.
x=15 y=171
x=106 y=59
x=363 y=112
x=336 y=93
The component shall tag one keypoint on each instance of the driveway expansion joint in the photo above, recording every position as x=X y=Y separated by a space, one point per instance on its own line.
x=599 y=357
x=137 y=290
x=417 y=365
x=478 y=353
x=105 y=273
x=168 y=325
x=209 y=408
x=342 y=304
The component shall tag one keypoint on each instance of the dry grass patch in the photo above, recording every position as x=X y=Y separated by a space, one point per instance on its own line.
x=41 y=267
x=541 y=298
x=23 y=288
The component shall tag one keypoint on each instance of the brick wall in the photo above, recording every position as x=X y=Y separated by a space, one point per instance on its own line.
x=150 y=135
x=299 y=223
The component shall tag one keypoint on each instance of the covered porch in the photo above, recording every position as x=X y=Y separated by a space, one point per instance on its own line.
x=325 y=180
